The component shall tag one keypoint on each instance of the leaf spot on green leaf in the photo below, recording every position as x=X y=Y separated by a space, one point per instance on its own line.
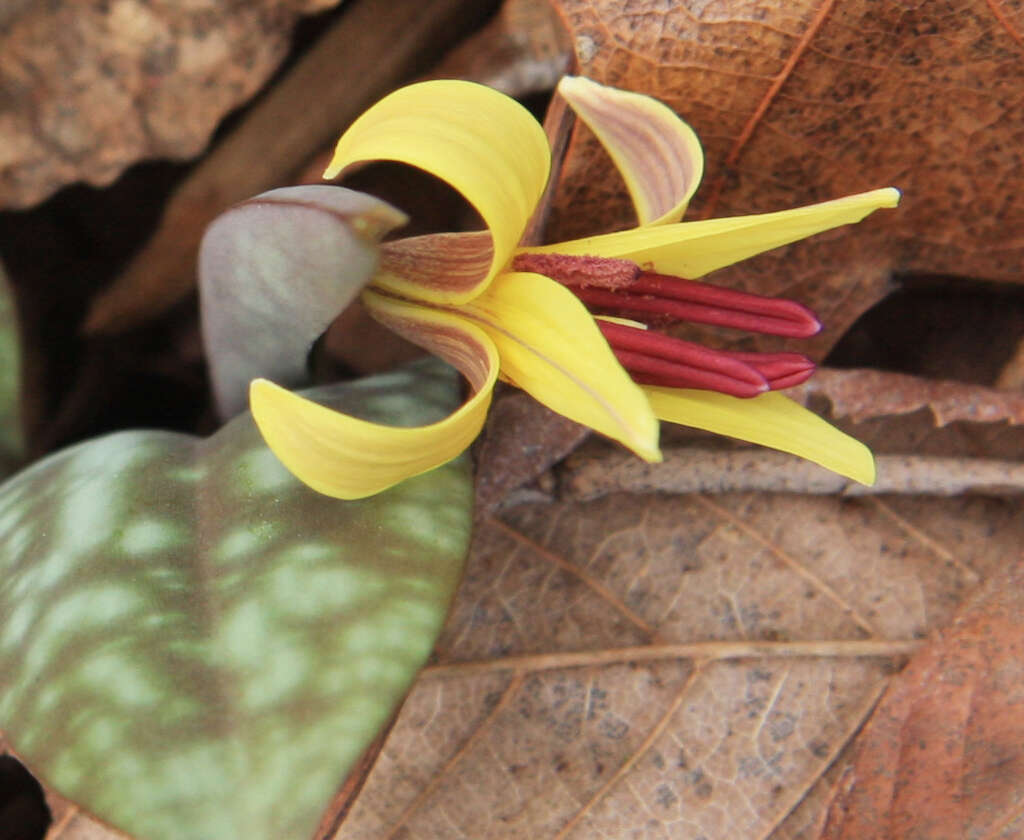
x=188 y=475
x=88 y=519
x=236 y=544
x=95 y=606
x=243 y=634
x=323 y=591
x=282 y=671
x=145 y=536
x=18 y=623
x=261 y=472
x=120 y=679
x=308 y=553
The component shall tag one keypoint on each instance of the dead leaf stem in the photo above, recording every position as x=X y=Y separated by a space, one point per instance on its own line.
x=762 y=106
x=700 y=651
x=442 y=773
x=1004 y=20
x=863 y=713
x=603 y=591
x=637 y=754
x=928 y=542
x=791 y=562
x=60 y=825
x=693 y=470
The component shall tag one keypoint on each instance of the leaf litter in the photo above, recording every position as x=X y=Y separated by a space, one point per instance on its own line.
x=796 y=612
x=771 y=625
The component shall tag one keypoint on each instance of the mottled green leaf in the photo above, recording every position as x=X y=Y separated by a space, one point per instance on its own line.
x=194 y=645
x=274 y=271
x=11 y=441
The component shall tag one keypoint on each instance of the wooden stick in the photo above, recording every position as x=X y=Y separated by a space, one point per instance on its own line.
x=587 y=475
x=699 y=651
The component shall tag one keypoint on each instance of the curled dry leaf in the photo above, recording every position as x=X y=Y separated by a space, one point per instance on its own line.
x=929 y=437
x=91 y=87
x=809 y=100
x=669 y=667
x=863 y=394
x=941 y=755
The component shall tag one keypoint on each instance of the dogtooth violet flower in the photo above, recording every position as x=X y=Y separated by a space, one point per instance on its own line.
x=495 y=310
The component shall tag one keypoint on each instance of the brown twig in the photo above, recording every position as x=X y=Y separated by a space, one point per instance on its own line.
x=588 y=475
x=700 y=651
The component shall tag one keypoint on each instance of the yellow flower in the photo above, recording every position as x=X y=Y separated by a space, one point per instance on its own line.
x=459 y=296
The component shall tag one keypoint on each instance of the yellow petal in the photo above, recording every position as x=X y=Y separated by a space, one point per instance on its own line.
x=437 y=262
x=657 y=154
x=625 y=322
x=550 y=347
x=771 y=420
x=486 y=145
x=349 y=458
x=692 y=249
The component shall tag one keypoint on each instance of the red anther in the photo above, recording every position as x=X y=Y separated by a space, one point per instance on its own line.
x=791 y=381
x=657 y=297
x=647 y=370
x=618 y=287
x=656 y=359
x=782 y=370
x=781 y=316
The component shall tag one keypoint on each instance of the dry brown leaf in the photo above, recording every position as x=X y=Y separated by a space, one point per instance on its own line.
x=91 y=87
x=931 y=437
x=864 y=394
x=814 y=99
x=523 y=50
x=371 y=48
x=942 y=756
x=522 y=440
x=1011 y=377
x=669 y=666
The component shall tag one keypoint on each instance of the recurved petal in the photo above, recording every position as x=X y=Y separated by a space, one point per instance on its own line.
x=436 y=262
x=692 y=249
x=550 y=347
x=349 y=458
x=486 y=145
x=658 y=155
x=771 y=420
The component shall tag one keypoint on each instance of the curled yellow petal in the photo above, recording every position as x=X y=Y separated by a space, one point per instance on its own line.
x=771 y=420
x=437 y=262
x=486 y=145
x=657 y=154
x=551 y=348
x=692 y=249
x=349 y=458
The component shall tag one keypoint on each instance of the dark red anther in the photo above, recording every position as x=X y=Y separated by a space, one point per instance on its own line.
x=782 y=370
x=655 y=359
x=665 y=298
x=619 y=287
